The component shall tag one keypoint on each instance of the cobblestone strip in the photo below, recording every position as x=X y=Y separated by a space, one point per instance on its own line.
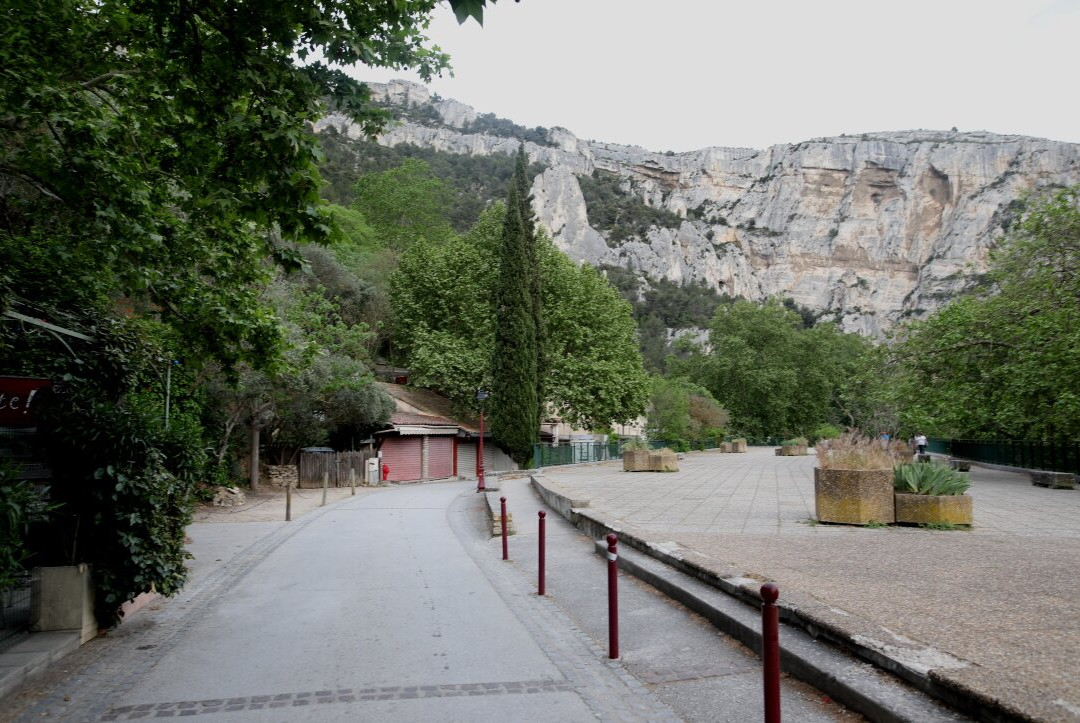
x=94 y=678
x=338 y=695
x=605 y=686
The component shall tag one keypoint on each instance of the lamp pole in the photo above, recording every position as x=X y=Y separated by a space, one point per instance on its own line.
x=481 y=395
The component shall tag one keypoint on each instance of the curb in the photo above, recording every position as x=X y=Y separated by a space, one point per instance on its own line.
x=32 y=657
x=798 y=612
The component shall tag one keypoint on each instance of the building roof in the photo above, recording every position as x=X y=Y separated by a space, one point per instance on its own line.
x=424 y=402
x=407 y=418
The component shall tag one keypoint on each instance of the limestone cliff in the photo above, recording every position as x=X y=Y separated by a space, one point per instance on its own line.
x=866 y=229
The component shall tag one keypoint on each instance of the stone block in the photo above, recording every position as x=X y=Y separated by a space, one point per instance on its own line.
x=636 y=460
x=915 y=509
x=1054 y=480
x=63 y=599
x=663 y=460
x=854 y=497
x=228 y=497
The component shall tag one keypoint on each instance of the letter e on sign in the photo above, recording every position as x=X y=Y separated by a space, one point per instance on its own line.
x=17 y=400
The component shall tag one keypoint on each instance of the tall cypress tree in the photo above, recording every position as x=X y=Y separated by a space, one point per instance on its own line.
x=532 y=251
x=514 y=405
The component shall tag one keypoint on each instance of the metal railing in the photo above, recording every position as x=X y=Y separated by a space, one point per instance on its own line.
x=1050 y=456
x=546 y=455
x=14 y=612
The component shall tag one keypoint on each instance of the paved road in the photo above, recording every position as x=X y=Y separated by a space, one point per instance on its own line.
x=995 y=609
x=395 y=606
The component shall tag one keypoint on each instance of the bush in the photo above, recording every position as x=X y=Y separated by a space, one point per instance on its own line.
x=21 y=505
x=795 y=442
x=825 y=431
x=929 y=479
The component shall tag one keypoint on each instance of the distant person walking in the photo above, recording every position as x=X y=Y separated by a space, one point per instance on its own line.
x=920 y=443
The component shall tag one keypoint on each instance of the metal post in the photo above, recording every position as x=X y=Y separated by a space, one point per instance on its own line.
x=540 y=587
x=613 y=596
x=325 y=484
x=770 y=650
x=168 y=391
x=352 y=479
x=480 y=456
x=506 y=551
x=288 y=500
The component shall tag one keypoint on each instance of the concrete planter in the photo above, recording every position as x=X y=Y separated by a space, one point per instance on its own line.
x=912 y=509
x=791 y=451
x=739 y=445
x=854 y=496
x=725 y=447
x=663 y=460
x=1054 y=480
x=63 y=599
x=635 y=460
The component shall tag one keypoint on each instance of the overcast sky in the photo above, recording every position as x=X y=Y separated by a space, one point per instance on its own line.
x=687 y=74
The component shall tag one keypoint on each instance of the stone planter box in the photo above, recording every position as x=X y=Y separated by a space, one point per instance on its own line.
x=1054 y=480
x=922 y=458
x=739 y=445
x=791 y=451
x=664 y=461
x=63 y=599
x=725 y=447
x=635 y=460
x=960 y=465
x=915 y=509
x=854 y=496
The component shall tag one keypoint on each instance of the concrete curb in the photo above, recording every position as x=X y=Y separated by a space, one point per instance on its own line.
x=32 y=657
x=904 y=659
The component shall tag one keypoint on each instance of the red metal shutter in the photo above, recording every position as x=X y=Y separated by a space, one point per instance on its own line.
x=440 y=457
x=402 y=454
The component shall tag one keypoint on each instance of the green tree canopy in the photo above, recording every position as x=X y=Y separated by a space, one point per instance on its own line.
x=774 y=375
x=444 y=322
x=1003 y=362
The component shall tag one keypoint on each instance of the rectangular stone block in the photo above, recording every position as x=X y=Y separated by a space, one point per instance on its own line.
x=1054 y=480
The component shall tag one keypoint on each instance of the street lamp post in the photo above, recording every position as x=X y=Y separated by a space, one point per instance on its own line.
x=481 y=395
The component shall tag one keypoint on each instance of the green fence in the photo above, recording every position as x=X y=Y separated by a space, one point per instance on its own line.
x=1051 y=456
x=545 y=455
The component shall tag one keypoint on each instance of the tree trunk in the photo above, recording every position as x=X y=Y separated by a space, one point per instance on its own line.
x=254 y=457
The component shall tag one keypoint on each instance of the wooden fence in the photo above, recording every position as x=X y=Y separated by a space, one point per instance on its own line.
x=335 y=465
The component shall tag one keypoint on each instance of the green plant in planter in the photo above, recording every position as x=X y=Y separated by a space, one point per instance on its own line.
x=929 y=479
x=635 y=444
x=795 y=442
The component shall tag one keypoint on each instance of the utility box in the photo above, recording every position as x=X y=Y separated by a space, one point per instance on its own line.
x=372 y=472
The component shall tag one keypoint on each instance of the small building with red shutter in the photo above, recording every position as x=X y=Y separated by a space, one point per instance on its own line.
x=424 y=440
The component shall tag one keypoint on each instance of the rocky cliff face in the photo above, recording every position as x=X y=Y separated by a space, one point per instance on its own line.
x=867 y=230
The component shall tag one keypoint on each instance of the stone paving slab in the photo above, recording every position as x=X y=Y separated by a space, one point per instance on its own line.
x=998 y=606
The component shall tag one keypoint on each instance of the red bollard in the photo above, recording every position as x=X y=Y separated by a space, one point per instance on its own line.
x=540 y=590
x=613 y=596
x=506 y=552
x=770 y=650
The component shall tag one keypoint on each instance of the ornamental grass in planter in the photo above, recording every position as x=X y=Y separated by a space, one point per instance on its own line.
x=853 y=482
x=795 y=447
x=930 y=494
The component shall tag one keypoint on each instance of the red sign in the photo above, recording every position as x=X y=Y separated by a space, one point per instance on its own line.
x=17 y=399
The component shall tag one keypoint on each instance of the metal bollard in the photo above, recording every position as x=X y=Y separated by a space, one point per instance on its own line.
x=506 y=552
x=542 y=514
x=613 y=596
x=770 y=650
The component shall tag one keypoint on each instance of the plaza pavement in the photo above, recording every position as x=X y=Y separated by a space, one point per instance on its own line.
x=992 y=613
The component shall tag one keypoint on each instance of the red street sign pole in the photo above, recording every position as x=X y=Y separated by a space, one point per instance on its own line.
x=542 y=515
x=480 y=457
x=770 y=650
x=506 y=552
x=613 y=596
